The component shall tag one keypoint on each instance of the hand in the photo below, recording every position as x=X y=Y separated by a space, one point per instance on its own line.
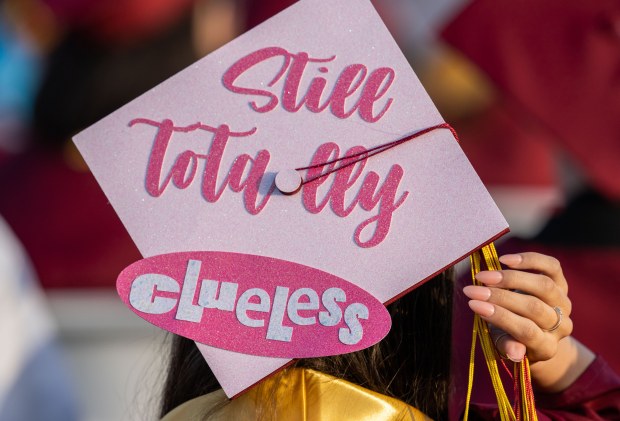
x=529 y=310
x=522 y=304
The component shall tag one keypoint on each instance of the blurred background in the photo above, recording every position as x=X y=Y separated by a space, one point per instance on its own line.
x=533 y=89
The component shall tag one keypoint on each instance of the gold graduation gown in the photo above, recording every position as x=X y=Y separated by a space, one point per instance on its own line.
x=298 y=394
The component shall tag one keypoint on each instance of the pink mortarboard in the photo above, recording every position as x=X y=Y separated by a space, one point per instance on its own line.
x=321 y=93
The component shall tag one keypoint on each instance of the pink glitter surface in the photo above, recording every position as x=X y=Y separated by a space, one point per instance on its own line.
x=190 y=165
x=220 y=327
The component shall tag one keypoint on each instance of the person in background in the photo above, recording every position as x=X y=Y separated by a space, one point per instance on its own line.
x=35 y=383
x=98 y=56
x=94 y=58
x=105 y=54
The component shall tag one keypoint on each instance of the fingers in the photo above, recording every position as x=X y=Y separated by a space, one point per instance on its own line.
x=540 y=345
x=521 y=303
x=542 y=286
x=546 y=265
x=507 y=346
x=528 y=306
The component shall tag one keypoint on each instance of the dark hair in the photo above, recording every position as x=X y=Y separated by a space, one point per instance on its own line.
x=412 y=363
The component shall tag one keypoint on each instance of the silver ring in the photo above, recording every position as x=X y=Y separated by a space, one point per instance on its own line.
x=558 y=311
x=496 y=342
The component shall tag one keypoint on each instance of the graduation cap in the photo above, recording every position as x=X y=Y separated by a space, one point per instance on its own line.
x=558 y=64
x=282 y=186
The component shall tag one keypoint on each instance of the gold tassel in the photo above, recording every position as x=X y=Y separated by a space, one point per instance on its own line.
x=524 y=409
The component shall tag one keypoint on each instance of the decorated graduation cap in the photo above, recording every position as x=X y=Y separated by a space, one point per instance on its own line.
x=285 y=187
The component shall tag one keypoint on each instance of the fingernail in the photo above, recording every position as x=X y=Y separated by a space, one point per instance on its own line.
x=515 y=356
x=482 y=308
x=491 y=277
x=511 y=259
x=476 y=292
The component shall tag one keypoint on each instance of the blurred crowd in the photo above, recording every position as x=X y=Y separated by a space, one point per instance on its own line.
x=532 y=88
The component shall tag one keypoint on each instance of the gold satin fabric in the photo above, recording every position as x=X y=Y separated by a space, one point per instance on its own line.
x=298 y=394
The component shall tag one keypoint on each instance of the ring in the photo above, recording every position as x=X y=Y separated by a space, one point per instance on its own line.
x=496 y=341
x=558 y=311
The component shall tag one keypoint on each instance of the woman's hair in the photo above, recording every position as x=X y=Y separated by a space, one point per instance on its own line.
x=412 y=363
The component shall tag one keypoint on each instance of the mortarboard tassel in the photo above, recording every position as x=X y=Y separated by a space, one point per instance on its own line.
x=524 y=407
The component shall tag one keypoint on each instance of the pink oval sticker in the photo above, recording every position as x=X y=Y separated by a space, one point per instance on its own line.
x=253 y=304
